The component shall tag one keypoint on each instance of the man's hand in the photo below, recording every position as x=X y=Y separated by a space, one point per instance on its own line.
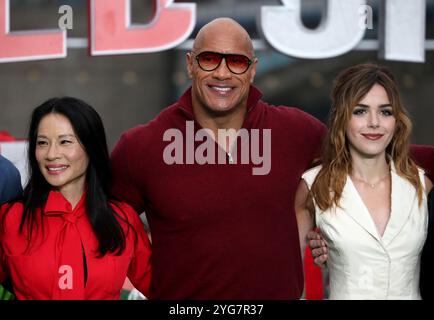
x=318 y=247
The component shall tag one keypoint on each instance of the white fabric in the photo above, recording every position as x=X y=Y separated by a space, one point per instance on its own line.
x=364 y=265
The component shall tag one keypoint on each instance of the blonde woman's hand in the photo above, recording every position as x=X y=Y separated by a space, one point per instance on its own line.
x=318 y=246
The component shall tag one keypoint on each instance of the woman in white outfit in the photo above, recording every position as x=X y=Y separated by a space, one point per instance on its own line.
x=367 y=196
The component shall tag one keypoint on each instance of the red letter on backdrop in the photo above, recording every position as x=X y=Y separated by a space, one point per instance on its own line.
x=112 y=32
x=28 y=45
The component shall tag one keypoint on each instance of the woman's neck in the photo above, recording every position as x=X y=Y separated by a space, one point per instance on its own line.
x=370 y=169
x=72 y=194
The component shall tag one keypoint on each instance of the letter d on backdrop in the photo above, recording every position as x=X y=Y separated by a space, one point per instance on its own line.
x=113 y=33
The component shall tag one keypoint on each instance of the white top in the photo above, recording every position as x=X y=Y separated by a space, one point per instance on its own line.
x=362 y=264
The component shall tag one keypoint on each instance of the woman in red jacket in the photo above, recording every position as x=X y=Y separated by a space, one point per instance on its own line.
x=66 y=239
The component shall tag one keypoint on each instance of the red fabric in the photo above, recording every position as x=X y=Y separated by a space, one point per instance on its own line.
x=67 y=246
x=6 y=137
x=313 y=278
x=218 y=231
x=424 y=157
x=44 y=271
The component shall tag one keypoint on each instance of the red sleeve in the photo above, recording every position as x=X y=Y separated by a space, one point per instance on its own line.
x=2 y=267
x=139 y=271
x=124 y=188
x=424 y=157
x=2 y=256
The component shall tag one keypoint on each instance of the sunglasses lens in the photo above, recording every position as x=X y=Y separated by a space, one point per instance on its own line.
x=237 y=63
x=208 y=61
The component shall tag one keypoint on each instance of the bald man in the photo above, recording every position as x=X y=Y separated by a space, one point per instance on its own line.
x=220 y=208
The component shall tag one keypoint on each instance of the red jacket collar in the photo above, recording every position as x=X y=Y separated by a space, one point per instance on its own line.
x=186 y=102
x=57 y=204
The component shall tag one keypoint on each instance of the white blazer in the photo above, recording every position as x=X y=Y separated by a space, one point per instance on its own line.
x=362 y=264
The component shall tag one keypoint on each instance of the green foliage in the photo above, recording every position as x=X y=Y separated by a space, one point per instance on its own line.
x=5 y=295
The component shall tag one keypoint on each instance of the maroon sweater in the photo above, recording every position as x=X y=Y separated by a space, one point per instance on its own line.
x=218 y=231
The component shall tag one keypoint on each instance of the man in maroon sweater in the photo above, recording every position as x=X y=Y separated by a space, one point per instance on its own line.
x=221 y=214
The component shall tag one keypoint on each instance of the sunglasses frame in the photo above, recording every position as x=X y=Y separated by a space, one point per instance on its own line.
x=223 y=56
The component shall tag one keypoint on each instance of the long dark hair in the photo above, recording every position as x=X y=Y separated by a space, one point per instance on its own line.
x=89 y=129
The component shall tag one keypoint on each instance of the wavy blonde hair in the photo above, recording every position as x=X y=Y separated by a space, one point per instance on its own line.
x=350 y=86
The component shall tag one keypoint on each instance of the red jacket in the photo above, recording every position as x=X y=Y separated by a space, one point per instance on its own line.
x=56 y=265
